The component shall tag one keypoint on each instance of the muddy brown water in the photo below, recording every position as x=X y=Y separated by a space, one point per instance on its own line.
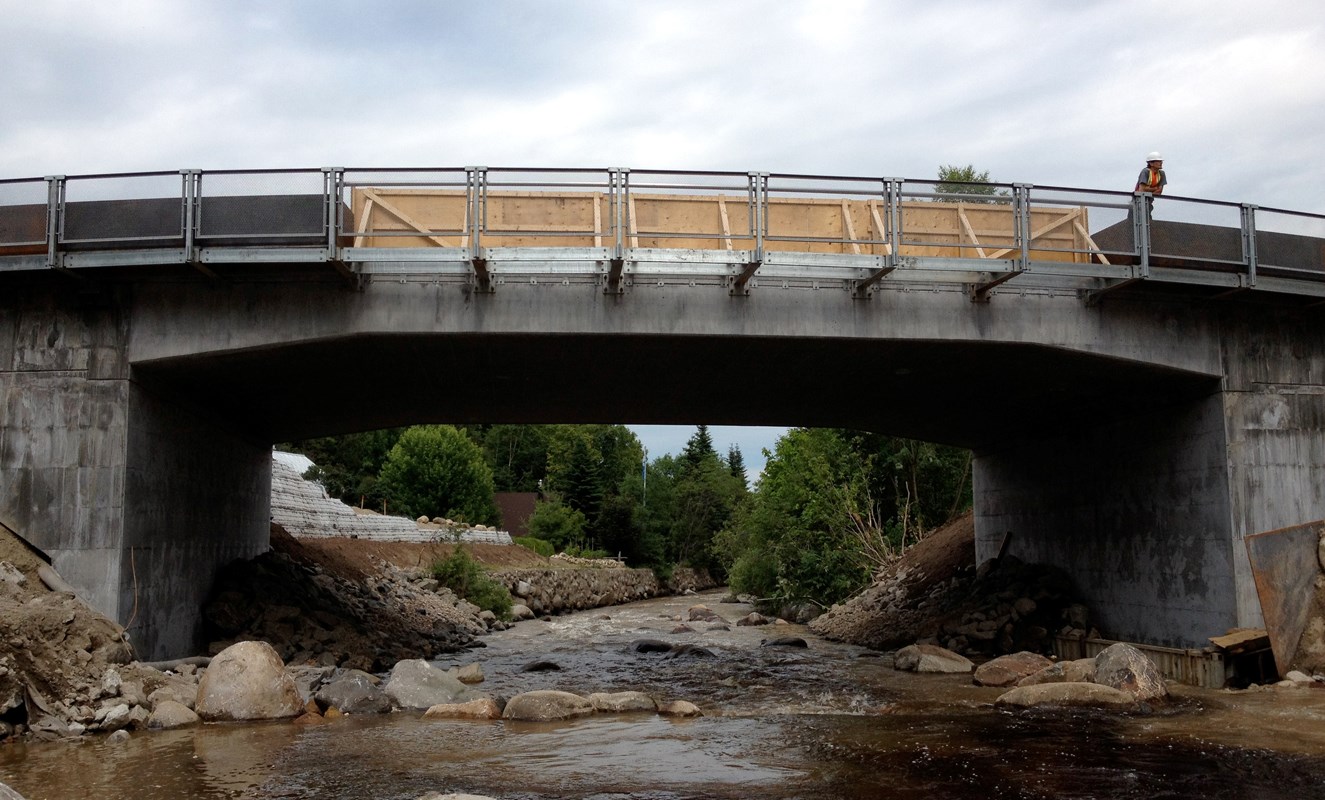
x=826 y=721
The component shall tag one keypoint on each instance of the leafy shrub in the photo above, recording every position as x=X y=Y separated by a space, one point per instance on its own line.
x=463 y=575
x=543 y=548
x=556 y=523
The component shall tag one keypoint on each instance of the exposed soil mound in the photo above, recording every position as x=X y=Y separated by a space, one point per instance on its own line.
x=55 y=648
x=353 y=559
x=935 y=594
x=322 y=603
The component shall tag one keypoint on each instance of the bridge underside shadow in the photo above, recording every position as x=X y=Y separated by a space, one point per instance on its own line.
x=970 y=395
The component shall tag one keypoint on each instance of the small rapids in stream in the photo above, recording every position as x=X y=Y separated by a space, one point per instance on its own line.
x=825 y=721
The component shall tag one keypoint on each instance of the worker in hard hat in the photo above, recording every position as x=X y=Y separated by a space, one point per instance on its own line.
x=1152 y=180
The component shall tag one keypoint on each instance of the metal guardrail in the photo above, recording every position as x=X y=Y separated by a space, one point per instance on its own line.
x=872 y=232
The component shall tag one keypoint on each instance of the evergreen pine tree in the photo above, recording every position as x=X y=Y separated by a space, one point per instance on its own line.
x=736 y=465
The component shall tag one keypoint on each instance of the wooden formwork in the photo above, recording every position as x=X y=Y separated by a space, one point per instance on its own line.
x=388 y=217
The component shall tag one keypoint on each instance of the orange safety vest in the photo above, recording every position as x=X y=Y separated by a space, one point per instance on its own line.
x=1152 y=179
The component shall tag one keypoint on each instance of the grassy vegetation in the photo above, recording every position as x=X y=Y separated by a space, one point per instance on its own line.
x=463 y=575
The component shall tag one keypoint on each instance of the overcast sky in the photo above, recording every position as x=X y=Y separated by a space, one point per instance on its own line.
x=1054 y=92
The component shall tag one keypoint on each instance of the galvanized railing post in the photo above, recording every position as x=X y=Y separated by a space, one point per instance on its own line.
x=863 y=289
x=190 y=221
x=757 y=202
x=1141 y=233
x=333 y=179
x=476 y=194
x=893 y=208
x=1249 y=254
x=54 y=218
x=1021 y=203
x=617 y=197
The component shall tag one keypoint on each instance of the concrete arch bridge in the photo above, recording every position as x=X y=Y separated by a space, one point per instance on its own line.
x=1141 y=394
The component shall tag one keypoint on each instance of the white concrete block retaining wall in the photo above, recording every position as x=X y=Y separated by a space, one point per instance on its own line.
x=302 y=508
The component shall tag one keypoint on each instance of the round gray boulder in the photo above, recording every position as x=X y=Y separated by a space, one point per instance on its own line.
x=247 y=681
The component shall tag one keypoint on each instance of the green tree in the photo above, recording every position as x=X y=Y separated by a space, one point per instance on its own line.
x=575 y=469
x=795 y=539
x=437 y=470
x=557 y=524
x=347 y=466
x=699 y=447
x=516 y=454
x=832 y=504
x=736 y=465
x=956 y=184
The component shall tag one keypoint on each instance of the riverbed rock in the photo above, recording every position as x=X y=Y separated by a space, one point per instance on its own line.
x=520 y=611
x=168 y=715
x=1066 y=695
x=247 y=681
x=689 y=651
x=181 y=689
x=617 y=702
x=702 y=613
x=753 y=618
x=483 y=708
x=416 y=684
x=785 y=641
x=470 y=674
x=547 y=704
x=1081 y=670
x=930 y=658
x=541 y=665
x=354 y=692
x=1008 y=670
x=1126 y=668
x=650 y=646
x=679 y=708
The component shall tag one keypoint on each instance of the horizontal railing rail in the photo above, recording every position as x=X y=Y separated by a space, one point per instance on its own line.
x=615 y=223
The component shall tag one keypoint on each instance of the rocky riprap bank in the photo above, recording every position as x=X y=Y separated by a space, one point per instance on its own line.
x=556 y=591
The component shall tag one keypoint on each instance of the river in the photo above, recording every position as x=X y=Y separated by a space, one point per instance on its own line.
x=826 y=721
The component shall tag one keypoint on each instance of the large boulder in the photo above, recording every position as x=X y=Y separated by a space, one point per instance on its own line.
x=1066 y=695
x=247 y=681
x=622 y=701
x=1081 y=670
x=930 y=658
x=354 y=692
x=1008 y=670
x=1123 y=667
x=416 y=684
x=545 y=705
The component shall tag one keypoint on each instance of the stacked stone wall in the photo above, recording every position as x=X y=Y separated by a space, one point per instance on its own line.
x=554 y=591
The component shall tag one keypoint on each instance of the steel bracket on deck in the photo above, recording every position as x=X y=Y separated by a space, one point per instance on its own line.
x=616 y=267
x=863 y=289
x=980 y=291
x=482 y=276
x=740 y=284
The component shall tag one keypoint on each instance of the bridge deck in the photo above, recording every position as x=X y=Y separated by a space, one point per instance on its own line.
x=469 y=225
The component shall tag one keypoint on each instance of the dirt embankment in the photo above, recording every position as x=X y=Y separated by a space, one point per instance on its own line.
x=936 y=594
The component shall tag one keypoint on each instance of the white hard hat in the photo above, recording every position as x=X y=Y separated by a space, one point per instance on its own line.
x=1155 y=156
